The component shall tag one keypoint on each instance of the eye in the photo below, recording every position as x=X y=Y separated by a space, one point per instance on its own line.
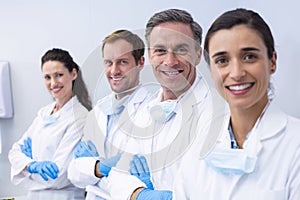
x=221 y=61
x=47 y=77
x=107 y=63
x=160 y=51
x=123 y=62
x=181 y=51
x=250 y=57
x=59 y=75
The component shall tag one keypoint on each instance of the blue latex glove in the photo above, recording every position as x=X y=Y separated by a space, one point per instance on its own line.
x=147 y=194
x=86 y=150
x=105 y=166
x=26 y=147
x=139 y=168
x=44 y=169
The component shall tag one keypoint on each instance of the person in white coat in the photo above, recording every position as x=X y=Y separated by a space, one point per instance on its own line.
x=39 y=159
x=123 y=55
x=257 y=155
x=163 y=130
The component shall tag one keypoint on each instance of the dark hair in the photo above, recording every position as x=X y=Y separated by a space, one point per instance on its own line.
x=79 y=87
x=138 y=45
x=241 y=16
x=175 y=15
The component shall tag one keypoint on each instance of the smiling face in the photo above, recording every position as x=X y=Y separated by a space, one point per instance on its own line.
x=173 y=56
x=240 y=67
x=121 y=69
x=58 y=81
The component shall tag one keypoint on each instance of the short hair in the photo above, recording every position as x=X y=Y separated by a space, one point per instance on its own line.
x=138 y=45
x=174 y=15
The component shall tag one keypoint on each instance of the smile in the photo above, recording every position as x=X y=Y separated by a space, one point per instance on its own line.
x=116 y=78
x=55 y=90
x=173 y=73
x=240 y=87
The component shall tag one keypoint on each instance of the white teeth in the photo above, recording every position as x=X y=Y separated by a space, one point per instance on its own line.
x=116 y=79
x=172 y=73
x=240 y=87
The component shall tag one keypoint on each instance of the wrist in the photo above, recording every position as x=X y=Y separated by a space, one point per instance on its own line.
x=136 y=192
x=97 y=171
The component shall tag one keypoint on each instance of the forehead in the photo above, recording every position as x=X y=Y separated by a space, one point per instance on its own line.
x=237 y=37
x=170 y=34
x=53 y=66
x=116 y=49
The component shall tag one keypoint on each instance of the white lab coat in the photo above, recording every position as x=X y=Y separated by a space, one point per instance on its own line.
x=275 y=142
x=81 y=170
x=165 y=143
x=54 y=138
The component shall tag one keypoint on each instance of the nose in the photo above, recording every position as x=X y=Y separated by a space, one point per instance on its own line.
x=115 y=69
x=53 y=82
x=237 y=71
x=170 y=59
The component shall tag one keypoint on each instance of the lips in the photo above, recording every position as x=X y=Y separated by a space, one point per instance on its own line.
x=240 y=87
x=116 y=78
x=172 y=73
x=56 y=89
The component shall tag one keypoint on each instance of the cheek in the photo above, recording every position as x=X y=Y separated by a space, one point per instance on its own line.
x=216 y=76
x=155 y=60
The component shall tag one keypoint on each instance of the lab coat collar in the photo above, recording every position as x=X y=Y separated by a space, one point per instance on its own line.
x=198 y=90
x=272 y=122
x=45 y=113
x=105 y=104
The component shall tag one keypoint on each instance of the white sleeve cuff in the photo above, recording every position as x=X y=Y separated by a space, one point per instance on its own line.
x=121 y=185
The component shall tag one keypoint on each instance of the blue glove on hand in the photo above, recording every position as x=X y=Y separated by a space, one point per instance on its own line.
x=105 y=166
x=44 y=168
x=86 y=150
x=139 y=168
x=147 y=194
x=26 y=147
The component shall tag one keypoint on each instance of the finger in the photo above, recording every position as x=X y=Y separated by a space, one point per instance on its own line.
x=92 y=148
x=43 y=176
x=22 y=147
x=28 y=143
x=144 y=163
x=47 y=169
x=54 y=167
x=91 y=145
x=133 y=170
x=139 y=165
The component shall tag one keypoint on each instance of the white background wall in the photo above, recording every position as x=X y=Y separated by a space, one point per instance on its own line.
x=29 y=28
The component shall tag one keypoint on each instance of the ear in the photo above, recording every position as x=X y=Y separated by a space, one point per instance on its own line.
x=273 y=61
x=74 y=74
x=141 y=63
x=198 y=58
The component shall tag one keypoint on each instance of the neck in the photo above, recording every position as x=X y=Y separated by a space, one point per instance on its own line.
x=243 y=120
x=169 y=94
x=59 y=105
x=122 y=94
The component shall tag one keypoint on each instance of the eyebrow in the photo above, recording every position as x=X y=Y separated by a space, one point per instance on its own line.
x=160 y=46
x=243 y=49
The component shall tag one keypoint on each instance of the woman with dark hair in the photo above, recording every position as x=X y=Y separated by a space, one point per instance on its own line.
x=257 y=154
x=39 y=160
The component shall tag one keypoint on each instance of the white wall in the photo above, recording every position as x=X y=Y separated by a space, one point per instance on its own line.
x=29 y=28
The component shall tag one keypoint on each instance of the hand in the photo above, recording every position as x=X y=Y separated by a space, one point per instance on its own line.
x=105 y=166
x=26 y=147
x=44 y=169
x=140 y=169
x=147 y=194
x=86 y=150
